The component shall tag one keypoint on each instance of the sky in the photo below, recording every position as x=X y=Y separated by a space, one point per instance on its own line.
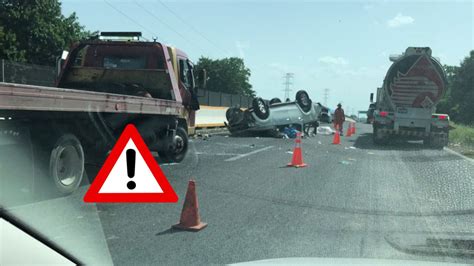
x=342 y=46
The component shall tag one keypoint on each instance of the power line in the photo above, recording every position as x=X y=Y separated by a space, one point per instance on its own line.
x=167 y=25
x=288 y=77
x=192 y=27
x=129 y=18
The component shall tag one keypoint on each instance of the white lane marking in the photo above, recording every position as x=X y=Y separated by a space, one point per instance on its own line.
x=169 y=164
x=217 y=154
x=458 y=154
x=247 y=154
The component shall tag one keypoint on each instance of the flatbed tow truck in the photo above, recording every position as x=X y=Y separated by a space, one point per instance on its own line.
x=103 y=84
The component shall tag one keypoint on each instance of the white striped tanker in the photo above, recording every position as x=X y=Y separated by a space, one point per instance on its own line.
x=406 y=103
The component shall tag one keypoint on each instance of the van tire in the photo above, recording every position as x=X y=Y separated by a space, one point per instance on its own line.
x=261 y=108
x=303 y=100
x=274 y=101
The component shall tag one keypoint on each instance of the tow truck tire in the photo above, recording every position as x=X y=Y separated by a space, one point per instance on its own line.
x=179 y=153
x=303 y=100
x=66 y=163
x=260 y=108
x=274 y=101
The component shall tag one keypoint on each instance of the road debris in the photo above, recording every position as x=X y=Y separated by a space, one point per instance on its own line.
x=290 y=132
x=325 y=131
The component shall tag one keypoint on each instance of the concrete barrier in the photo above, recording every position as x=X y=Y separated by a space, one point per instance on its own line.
x=210 y=116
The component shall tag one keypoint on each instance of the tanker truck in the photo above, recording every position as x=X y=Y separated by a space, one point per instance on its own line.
x=406 y=103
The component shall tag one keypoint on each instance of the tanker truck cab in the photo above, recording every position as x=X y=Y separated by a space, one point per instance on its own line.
x=406 y=103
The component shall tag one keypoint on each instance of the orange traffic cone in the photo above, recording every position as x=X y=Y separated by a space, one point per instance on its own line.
x=353 y=128
x=297 y=160
x=190 y=219
x=349 y=130
x=337 y=138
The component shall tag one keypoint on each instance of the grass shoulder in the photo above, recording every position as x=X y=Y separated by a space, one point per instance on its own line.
x=461 y=139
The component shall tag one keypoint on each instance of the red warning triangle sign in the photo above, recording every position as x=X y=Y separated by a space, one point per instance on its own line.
x=130 y=174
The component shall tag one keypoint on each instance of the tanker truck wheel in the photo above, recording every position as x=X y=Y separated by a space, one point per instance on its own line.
x=178 y=152
x=66 y=163
x=378 y=138
x=436 y=141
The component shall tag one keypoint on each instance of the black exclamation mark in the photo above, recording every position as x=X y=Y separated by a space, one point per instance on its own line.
x=131 y=168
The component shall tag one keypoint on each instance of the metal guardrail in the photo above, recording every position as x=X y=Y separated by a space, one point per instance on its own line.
x=21 y=73
x=213 y=98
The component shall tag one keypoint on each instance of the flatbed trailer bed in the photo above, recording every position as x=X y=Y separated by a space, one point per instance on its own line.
x=19 y=97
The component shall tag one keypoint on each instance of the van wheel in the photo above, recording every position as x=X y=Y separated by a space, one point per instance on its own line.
x=234 y=115
x=303 y=100
x=66 y=163
x=274 y=101
x=178 y=152
x=261 y=109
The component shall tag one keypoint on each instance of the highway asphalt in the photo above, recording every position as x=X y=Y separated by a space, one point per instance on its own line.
x=353 y=200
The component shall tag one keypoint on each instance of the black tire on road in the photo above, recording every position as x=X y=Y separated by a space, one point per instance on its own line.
x=303 y=100
x=435 y=141
x=378 y=140
x=66 y=163
x=261 y=109
x=181 y=148
x=274 y=101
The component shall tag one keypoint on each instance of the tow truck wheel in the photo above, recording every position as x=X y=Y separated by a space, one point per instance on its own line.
x=178 y=153
x=66 y=163
x=303 y=100
x=261 y=109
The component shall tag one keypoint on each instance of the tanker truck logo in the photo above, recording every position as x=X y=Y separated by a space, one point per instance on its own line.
x=420 y=86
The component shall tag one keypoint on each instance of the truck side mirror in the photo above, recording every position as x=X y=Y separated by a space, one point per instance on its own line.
x=202 y=79
x=372 y=97
x=59 y=62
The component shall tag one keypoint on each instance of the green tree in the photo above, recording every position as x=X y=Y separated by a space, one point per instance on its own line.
x=227 y=75
x=462 y=91
x=446 y=104
x=35 y=31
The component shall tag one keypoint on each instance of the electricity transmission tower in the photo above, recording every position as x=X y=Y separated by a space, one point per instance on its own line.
x=288 y=77
x=326 y=96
